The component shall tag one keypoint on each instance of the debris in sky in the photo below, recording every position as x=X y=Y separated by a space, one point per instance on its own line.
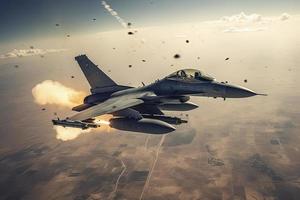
x=109 y=70
x=129 y=66
x=129 y=24
x=43 y=109
x=245 y=80
x=72 y=77
x=31 y=47
x=68 y=35
x=144 y=60
x=198 y=58
x=114 y=14
x=56 y=24
x=114 y=48
x=130 y=33
x=94 y=19
x=16 y=66
x=187 y=41
x=176 y=56
x=226 y=58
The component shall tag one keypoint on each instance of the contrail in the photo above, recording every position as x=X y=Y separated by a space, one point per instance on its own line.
x=114 y=14
x=112 y=195
x=153 y=166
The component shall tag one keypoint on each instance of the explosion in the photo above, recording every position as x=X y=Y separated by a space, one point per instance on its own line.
x=52 y=92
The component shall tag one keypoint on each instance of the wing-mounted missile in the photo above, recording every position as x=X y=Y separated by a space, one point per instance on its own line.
x=74 y=124
x=166 y=99
x=167 y=119
x=150 y=126
x=178 y=106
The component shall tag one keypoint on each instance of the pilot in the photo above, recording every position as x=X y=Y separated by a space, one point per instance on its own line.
x=182 y=74
x=197 y=75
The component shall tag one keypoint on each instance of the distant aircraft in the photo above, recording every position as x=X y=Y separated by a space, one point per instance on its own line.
x=140 y=109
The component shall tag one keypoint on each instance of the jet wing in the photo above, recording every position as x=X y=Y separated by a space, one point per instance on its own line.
x=109 y=106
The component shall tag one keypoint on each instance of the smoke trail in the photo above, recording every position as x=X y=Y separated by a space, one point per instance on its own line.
x=114 y=14
x=153 y=166
x=52 y=92
x=112 y=195
x=68 y=133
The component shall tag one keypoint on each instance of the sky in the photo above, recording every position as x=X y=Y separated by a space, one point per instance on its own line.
x=232 y=149
x=37 y=18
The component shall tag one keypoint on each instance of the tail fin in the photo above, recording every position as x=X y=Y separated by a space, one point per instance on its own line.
x=95 y=76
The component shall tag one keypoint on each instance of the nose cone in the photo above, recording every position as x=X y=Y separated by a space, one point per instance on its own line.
x=238 y=92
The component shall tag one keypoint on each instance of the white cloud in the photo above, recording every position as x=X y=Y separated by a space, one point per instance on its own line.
x=284 y=17
x=243 y=18
x=29 y=52
x=240 y=30
x=242 y=22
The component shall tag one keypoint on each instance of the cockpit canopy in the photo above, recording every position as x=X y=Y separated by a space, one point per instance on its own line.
x=191 y=74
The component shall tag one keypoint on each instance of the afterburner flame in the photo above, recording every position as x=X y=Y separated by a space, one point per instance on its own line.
x=52 y=92
x=104 y=123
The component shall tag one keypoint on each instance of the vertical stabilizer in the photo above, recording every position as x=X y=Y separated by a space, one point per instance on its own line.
x=95 y=76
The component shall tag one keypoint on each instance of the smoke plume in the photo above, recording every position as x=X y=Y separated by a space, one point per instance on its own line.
x=52 y=92
x=68 y=133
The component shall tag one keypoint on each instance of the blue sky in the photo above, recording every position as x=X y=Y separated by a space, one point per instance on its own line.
x=21 y=19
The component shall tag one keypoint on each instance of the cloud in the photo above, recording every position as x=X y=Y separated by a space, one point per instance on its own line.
x=114 y=14
x=240 y=30
x=254 y=18
x=243 y=18
x=284 y=17
x=29 y=52
x=242 y=22
x=52 y=92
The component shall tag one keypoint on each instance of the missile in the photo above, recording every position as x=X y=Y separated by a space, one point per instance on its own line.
x=144 y=125
x=167 y=119
x=178 y=106
x=74 y=124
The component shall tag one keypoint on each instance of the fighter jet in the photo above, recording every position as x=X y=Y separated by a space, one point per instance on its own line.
x=141 y=109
